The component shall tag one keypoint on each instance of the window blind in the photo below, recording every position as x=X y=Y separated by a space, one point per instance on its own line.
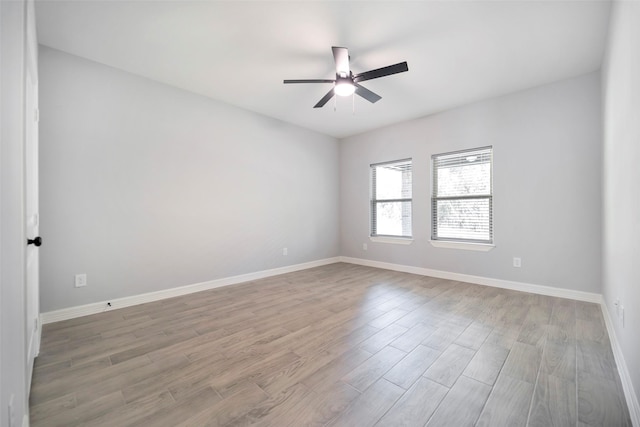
x=462 y=196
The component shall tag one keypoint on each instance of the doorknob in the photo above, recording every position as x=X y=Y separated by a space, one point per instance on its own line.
x=37 y=241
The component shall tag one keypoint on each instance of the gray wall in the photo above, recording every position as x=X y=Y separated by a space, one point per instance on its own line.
x=146 y=187
x=547 y=185
x=621 y=101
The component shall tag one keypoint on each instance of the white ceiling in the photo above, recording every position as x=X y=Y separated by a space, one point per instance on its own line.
x=239 y=52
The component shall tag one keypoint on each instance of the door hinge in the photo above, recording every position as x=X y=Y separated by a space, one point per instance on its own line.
x=36 y=115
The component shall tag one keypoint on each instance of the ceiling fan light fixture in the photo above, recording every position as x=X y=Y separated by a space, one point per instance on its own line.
x=346 y=84
x=344 y=87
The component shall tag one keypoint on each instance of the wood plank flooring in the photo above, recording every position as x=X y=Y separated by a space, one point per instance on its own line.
x=339 y=345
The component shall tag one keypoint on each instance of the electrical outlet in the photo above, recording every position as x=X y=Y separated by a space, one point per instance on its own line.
x=285 y=252
x=517 y=262
x=81 y=280
x=364 y=247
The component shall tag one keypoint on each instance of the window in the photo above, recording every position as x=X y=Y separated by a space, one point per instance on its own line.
x=391 y=199
x=462 y=196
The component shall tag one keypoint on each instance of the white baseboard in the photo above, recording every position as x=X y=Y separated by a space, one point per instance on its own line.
x=479 y=280
x=98 y=307
x=625 y=377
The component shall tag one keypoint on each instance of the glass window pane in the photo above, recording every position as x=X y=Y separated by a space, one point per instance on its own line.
x=393 y=181
x=467 y=219
x=393 y=219
x=464 y=180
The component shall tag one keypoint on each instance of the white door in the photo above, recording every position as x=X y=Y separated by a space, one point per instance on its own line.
x=32 y=222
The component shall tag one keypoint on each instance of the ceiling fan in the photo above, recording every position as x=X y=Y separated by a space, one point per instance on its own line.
x=346 y=83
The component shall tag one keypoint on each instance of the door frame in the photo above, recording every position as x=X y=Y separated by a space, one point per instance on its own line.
x=31 y=195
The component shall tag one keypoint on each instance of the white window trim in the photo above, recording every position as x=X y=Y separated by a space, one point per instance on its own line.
x=391 y=239
x=402 y=240
x=455 y=244
x=467 y=246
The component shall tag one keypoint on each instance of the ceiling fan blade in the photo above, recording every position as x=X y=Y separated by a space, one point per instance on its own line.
x=381 y=72
x=324 y=99
x=309 y=81
x=341 y=56
x=367 y=94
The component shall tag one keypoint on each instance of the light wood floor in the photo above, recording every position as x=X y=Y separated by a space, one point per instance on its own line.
x=340 y=345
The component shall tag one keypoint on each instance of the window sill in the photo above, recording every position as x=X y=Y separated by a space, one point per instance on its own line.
x=481 y=247
x=394 y=240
